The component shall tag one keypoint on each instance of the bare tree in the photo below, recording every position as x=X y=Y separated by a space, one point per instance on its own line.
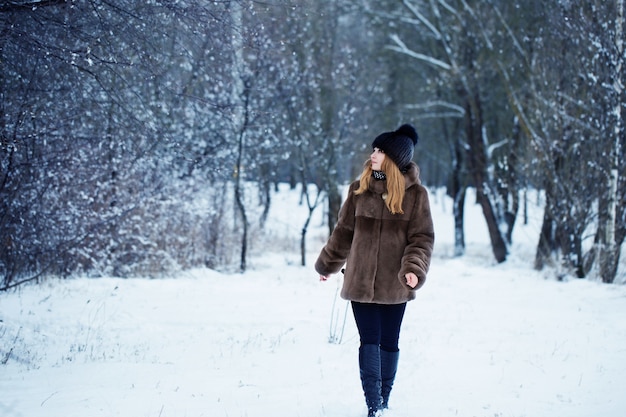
x=90 y=144
x=460 y=36
x=611 y=231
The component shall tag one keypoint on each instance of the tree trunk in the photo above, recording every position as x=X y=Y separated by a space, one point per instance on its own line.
x=241 y=207
x=265 y=196
x=457 y=191
x=607 y=249
x=459 y=212
x=479 y=165
x=511 y=194
x=240 y=96
x=547 y=240
x=303 y=241
x=571 y=249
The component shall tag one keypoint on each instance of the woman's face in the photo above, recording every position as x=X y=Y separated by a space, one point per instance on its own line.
x=377 y=157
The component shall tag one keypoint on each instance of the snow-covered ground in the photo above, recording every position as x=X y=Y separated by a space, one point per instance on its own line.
x=481 y=339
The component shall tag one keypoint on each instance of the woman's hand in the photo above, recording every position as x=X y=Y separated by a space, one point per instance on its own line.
x=411 y=279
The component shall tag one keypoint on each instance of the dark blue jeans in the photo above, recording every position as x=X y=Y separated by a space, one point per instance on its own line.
x=379 y=324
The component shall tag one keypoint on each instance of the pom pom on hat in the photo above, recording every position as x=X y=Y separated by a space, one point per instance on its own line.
x=398 y=145
x=408 y=131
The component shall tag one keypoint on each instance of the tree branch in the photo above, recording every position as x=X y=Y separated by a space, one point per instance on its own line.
x=403 y=49
x=25 y=6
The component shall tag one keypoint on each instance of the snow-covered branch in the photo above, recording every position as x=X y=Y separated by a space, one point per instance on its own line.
x=494 y=146
x=403 y=49
x=423 y=19
x=437 y=103
x=23 y=6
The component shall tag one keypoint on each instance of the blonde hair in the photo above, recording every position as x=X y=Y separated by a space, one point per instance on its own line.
x=395 y=184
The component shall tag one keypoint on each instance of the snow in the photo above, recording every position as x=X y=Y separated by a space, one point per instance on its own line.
x=481 y=339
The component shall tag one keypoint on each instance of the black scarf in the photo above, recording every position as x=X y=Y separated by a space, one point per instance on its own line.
x=379 y=175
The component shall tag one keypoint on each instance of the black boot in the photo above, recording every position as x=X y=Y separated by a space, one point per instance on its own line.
x=388 y=368
x=369 y=364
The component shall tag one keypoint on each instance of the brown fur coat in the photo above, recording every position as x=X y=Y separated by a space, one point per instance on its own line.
x=378 y=247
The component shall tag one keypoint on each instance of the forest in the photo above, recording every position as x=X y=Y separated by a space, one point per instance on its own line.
x=137 y=137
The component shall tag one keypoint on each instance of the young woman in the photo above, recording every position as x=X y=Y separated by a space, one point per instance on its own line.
x=384 y=236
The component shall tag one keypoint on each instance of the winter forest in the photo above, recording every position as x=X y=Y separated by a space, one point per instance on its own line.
x=140 y=138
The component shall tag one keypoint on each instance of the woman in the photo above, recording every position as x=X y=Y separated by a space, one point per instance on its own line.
x=384 y=236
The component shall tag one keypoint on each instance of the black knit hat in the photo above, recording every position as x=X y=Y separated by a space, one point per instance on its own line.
x=398 y=145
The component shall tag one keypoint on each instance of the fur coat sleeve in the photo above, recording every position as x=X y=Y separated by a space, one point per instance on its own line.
x=335 y=253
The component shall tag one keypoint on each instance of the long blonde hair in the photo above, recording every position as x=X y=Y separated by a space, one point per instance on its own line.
x=395 y=184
